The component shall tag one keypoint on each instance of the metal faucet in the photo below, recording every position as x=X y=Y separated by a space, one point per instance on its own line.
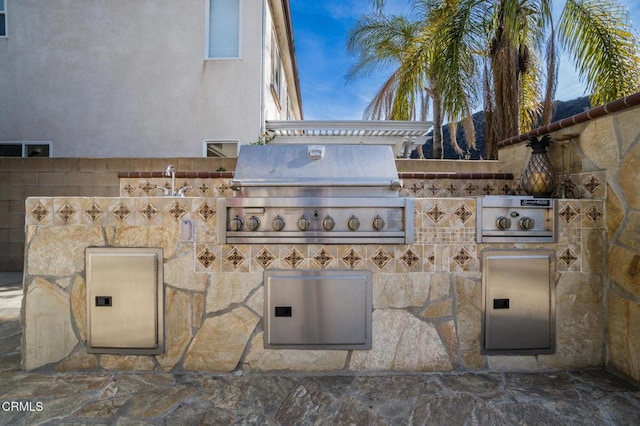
x=171 y=171
x=182 y=191
x=167 y=191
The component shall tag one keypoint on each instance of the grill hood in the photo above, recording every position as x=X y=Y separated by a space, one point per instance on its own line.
x=316 y=170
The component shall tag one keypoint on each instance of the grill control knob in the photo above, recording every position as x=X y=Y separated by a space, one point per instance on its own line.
x=328 y=223
x=377 y=223
x=303 y=223
x=278 y=223
x=236 y=224
x=503 y=223
x=253 y=223
x=353 y=223
x=526 y=223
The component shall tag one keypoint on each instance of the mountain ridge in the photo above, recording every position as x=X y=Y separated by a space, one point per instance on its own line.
x=562 y=109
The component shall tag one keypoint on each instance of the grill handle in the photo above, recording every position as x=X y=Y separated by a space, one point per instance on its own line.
x=394 y=184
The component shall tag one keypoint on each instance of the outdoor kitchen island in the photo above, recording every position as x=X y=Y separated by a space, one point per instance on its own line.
x=426 y=301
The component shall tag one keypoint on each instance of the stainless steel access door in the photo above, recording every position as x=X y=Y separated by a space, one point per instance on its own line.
x=124 y=300
x=519 y=301
x=310 y=309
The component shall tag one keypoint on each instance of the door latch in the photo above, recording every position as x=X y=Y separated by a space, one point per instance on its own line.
x=103 y=301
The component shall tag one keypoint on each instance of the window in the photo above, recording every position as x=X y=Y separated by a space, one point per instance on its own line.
x=218 y=148
x=276 y=69
x=3 y=19
x=224 y=29
x=25 y=149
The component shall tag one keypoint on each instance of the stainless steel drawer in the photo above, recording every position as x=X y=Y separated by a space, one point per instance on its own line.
x=519 y=301
x=317 y=309
x=124 y=300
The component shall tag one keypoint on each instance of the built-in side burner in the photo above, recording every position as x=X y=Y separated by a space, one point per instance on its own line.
x=504 y=219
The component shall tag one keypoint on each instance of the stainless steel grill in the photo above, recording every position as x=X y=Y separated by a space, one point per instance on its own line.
x=316 y=194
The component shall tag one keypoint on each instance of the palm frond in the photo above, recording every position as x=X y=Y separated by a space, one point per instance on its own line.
x=599 y=36
x=457 y=33
x=378 y=42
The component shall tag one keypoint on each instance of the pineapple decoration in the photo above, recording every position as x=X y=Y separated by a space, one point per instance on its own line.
x=538 y=177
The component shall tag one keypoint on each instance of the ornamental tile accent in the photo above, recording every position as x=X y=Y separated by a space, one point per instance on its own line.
x=471 y=188
x=381 y=258
x=409 y=258
x=177 y=211
x=149 y=211
x=203 y=188
x=235 y=257
x=147 y=187
x=436 y=213
x=121 y=212
x=593 y=214
x=206 y=257
x=223 y=187
x=452 y=189
x=462 y=257
x=129 y=189
x=206 y=212
x=568 y=213
x=431 y=257
x=488 y=189
x=463 y=212
x=567 y=257
x=505 y=189
x=416 y=188
x=592 y=184
x=94 y=212
x=323 y=258
x=39 y=212
x=433 y=189
x=294 y=258
x=66 y=212
x=265 y=258
x=352 y=258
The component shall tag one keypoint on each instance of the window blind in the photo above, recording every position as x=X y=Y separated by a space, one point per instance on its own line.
x=224 y=28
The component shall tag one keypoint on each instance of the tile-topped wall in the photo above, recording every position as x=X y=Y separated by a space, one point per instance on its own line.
x=417 y=184
x=427 y=295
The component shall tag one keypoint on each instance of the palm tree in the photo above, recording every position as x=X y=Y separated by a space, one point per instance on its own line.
x=508 y=48
x=379 y=41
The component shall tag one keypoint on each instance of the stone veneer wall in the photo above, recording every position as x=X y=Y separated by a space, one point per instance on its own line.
x=426 y=296
x=609 y=145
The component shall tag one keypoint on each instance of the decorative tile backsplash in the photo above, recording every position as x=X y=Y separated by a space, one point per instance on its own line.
x=445 y=234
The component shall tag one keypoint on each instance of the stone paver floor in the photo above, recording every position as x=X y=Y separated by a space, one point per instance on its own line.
x=588 y=397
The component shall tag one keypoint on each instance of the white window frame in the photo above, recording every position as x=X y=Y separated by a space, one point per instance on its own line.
x=276 y=71
x=206 y=142
x=26 y=144
x=207 y=39
x=3 y=13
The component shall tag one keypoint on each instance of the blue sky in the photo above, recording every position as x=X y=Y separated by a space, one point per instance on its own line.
x=320 y=30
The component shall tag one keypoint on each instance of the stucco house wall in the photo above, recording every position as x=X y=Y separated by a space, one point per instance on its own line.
x=131 y=78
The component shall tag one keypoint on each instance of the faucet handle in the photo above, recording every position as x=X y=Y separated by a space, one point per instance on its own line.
x=167 y=191
x=182 y=191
